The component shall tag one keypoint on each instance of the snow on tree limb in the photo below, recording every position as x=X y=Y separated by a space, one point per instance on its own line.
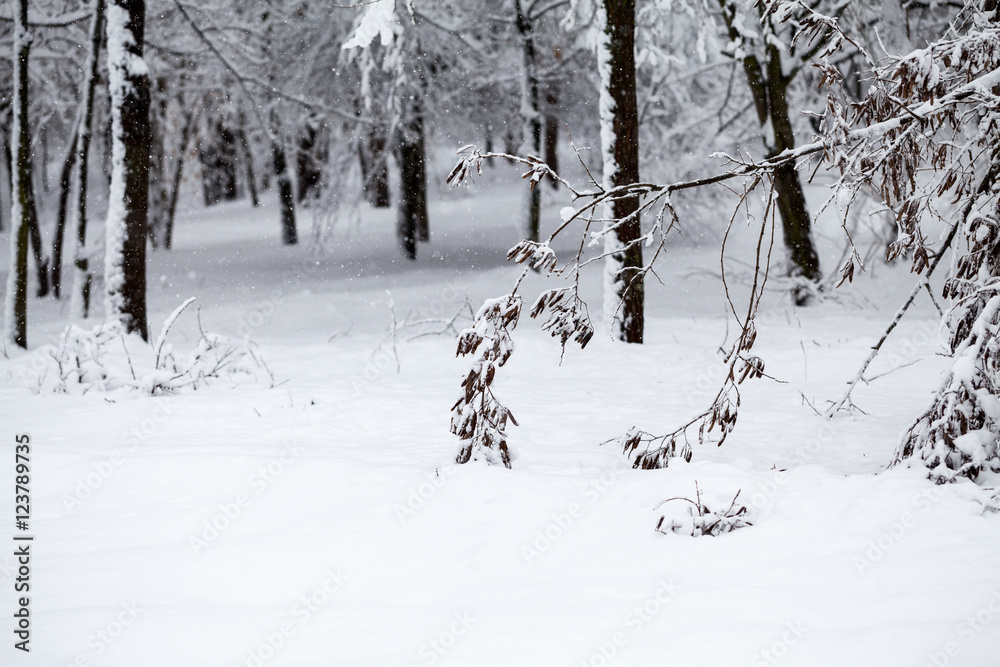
x=379 y=20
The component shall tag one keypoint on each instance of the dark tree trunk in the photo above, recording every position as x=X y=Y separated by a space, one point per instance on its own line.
x=5 y=183
x=624 y=302
x=250 y=171
x=532 y=121
x=488 y=146
x=412 y=224
x=769 y=87
x=62 y=213
x=309 y=162
x=217 y=153
x=16 y=298
x=552 y=130
x=80 y=301
x=43 y=173
x=187 y=131
x=159 y=196
x=374 y=158
x=38 y=251
x=286 y=199
x=125 y=266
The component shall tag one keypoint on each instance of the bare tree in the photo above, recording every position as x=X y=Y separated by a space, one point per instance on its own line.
x=128 y=80
x=623 y=285
x=22 y=196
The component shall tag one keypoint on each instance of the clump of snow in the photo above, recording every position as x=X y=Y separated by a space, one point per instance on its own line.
x=380 y=19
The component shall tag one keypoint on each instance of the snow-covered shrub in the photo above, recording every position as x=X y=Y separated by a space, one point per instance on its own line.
x=106 y=358
x=957 y=435
x=697 y=519
x=478 y=418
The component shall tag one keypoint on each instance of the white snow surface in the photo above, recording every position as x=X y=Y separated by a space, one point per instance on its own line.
x=321 y=521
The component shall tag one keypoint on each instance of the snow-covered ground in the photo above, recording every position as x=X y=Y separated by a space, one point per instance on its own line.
x=317 y=519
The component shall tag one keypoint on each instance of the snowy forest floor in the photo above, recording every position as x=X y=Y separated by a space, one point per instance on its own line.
x=318 y=520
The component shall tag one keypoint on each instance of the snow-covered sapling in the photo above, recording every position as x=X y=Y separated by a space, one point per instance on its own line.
x=700 y=520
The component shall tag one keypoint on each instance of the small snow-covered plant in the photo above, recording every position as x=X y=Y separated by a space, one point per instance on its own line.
x=701 y=520
x=478 y=418
x=106 y=358
x=957 y=435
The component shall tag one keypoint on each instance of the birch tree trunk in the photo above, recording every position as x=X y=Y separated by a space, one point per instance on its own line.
x=623 y=286
x=128 y=79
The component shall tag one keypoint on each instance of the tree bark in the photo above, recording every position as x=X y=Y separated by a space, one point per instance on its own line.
x=62 y=213
x=769 y=88
x=16 y=298
x=286 y=199
x=128 y=202
x=374 y=159
x=80 y=299
x=412 y=223
x=248 y=161
x=187 y=131
x=217 y=153
x=309 y=162
x=159 y=196
x=532 y=139
x=624 y=293
x=552 y=130
x=38 y=251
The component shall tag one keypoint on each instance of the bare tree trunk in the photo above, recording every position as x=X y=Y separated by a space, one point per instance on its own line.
x=217 y=153
x=65 y=181
x=374 y=159
x=309 y=161
x=159 y=197
x=769 y=87
x=187 y=131
x=248 y=161
x=529 y=110
x=286 y=200
x=624 y=293
x=552 y=129
x=128 y=202
x=43 y=141
x=412 y=225
x=80 y=299
x=16 y=299
x=38 y=251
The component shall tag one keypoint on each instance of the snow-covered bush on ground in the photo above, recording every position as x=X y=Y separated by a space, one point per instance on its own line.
x=957 y=435
x=697 y=519
x=106 y=358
